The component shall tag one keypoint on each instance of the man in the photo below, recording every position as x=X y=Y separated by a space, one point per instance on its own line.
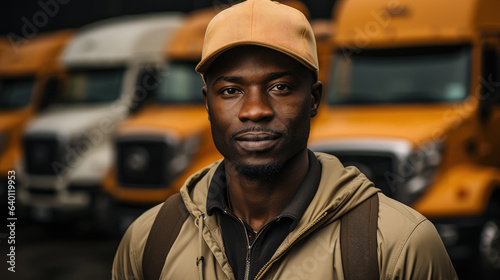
x=271 y=209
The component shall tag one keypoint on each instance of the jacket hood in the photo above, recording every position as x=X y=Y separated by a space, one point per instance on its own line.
x=340 y=190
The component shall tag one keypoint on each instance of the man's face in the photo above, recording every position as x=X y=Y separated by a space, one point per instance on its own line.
x=260 y=103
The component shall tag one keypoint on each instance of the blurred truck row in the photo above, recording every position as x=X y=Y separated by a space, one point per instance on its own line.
x=109 y=120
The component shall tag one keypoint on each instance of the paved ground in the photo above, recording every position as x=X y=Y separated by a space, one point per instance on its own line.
x=58 y=252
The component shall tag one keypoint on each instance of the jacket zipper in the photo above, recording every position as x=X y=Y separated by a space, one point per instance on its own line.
x=268 y=264
x=249 y=252
x=247 y=264
x=249 y=247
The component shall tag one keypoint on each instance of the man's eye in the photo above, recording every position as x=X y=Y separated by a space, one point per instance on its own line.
x=280 y=87
x=229 y=91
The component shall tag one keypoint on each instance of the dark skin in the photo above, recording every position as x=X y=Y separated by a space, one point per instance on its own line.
x=260 y=103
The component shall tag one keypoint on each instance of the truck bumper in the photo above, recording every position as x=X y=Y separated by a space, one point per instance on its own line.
x=57 y=204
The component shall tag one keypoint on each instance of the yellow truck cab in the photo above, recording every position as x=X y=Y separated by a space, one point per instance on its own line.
x=413 y=102
x=27 y=78
x=158 y=148
x=68 y=147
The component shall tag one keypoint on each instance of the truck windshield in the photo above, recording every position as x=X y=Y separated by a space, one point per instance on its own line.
x=406 y=75
x=180 y=84
x=16 y=93
x=93 y=86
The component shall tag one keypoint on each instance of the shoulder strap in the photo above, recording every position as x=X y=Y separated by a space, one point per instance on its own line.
x=358 y=241
x=164 y=231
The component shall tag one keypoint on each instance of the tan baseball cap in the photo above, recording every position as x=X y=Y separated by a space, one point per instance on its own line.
x=263 y=23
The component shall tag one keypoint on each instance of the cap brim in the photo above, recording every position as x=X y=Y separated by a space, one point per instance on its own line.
x=205 y=64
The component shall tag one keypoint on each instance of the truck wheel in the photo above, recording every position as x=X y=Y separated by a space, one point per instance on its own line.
x=489 y=243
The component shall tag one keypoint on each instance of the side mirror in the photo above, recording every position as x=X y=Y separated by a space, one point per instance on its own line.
x=490 y=83
x=49 y=93
x=147 y=83
x=485 y=110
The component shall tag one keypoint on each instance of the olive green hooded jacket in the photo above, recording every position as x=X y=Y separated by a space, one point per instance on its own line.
x=409 y=246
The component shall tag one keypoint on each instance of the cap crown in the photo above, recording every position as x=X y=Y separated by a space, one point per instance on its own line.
x=262 y=23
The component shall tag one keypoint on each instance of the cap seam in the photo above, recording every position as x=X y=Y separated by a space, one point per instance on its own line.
x=304 y=39
x=253 y=21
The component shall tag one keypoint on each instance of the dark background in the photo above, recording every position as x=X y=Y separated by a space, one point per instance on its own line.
x=49 y=15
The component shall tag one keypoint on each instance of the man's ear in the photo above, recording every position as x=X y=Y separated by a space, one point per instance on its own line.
x=204 y=90
x=316 y=94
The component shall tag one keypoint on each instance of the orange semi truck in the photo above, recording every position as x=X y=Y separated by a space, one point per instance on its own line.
x=414 y=102
x=28 y=77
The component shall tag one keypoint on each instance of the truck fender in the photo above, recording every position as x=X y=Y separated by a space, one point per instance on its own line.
x=463 y=190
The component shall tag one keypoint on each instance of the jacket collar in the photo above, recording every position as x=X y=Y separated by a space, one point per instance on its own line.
x=217 y=193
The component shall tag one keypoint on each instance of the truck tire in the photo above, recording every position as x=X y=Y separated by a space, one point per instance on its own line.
x=489 y=243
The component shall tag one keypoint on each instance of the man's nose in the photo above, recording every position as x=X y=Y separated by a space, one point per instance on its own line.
x=256 y=106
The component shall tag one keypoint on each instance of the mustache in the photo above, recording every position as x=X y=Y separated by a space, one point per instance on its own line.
x=257 y=129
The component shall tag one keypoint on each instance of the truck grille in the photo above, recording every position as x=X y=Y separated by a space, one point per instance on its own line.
x=41 y=153
x=143 y=162
x=378 y=167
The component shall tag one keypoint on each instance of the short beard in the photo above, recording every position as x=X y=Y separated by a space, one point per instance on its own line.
x=264 y=172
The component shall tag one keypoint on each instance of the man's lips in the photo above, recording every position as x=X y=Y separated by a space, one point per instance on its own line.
x=257 y=136
x=257 y=141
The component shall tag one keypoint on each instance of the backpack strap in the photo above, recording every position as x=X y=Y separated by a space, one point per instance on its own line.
x=165 y=229
x=358 y=241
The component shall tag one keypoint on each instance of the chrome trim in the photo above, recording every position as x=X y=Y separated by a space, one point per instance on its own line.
x=399 y=147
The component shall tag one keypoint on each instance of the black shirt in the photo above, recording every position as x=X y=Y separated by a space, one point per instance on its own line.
x=242 y=245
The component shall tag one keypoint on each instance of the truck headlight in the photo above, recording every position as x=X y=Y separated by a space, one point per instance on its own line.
x=418 y=171
x=186 y=150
